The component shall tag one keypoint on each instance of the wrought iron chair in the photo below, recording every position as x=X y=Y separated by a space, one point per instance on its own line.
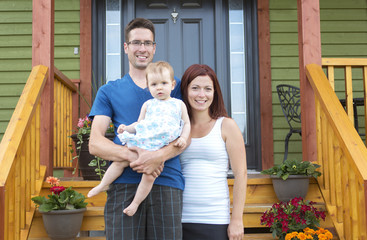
x=290 y=101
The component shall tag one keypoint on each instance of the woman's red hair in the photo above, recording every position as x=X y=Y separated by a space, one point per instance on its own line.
x=217 y=108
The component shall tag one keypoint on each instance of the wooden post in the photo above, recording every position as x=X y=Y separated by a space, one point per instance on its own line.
x=85 y=55
x=309 y=44
x=266 y=109
x=43 y=53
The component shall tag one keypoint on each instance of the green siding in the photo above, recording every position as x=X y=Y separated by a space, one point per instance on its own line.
x=343 y=34
x=16 y=48
x=16 y=54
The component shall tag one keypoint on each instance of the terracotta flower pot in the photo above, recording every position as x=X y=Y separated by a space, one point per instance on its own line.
x=63 y=224
x=293 y=186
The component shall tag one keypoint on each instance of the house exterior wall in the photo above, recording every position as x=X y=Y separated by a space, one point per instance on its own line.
x=16 y=48
x=15 y=54
x=343 y=34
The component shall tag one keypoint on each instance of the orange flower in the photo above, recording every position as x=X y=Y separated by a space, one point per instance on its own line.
x=54 y=181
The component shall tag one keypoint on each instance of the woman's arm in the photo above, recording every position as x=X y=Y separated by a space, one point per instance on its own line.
x=104 y=148
x=237 y=155
x=183 y=139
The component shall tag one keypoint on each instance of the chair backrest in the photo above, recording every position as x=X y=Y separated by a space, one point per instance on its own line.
x=290 y=101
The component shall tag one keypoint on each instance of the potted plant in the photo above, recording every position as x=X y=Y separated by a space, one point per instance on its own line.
x=91 y=167
x=62 y=211
x=292 y=216
x=291 y=178
x=308 y=233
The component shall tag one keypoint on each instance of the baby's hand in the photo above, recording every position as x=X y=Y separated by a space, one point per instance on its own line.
x=181 y=142
x=121 y=128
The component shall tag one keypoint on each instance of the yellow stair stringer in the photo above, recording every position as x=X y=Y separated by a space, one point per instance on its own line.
x=339 y=226
x=30 y=215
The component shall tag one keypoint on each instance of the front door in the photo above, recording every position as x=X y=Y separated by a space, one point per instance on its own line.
x=218 y=33
x=184 y=32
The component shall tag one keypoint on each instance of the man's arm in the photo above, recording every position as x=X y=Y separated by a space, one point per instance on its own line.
x=104 y=148
x=149 y=161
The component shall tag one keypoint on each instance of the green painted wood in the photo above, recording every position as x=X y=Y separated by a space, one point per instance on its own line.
x=11 y=90
x=67 y=16
x=67 y=40
x=8 y=102
x=346 y=27
x=16 y=48
x=5 y=114
x=16 y=41
x=351 y=14
x=67 y=5
x=14 y=77
x=18 y=5
x=15 y=29
x=16 y=53
x=16 y=17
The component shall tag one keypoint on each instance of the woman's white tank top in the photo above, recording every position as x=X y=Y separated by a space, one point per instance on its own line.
x=205 y=166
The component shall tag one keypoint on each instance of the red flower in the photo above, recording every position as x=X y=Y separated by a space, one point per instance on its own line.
x=57 y=189
x=291 y=216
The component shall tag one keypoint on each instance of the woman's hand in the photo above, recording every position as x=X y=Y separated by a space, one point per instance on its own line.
x=235 y=230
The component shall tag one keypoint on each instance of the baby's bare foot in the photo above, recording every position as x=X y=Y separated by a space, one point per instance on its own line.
x=96 y=190
x=131 y=209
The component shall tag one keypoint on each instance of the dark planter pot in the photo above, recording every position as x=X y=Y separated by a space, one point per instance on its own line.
x=88 y=172
x=63 y=224
x=293 y=186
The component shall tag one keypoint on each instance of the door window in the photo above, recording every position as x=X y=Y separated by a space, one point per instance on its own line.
x=113 y=40
x=237 y=66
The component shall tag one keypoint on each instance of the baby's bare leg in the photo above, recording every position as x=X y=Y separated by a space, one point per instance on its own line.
x=145 y=186
x=113 y=172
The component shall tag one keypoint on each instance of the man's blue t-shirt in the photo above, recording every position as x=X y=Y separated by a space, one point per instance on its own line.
x=121 y=100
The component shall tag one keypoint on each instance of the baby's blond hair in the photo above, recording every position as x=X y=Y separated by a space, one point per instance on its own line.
x=159 y=67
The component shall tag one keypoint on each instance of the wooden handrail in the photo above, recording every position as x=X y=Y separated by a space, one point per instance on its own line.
x=343 y=157
x=65 y=80
x=341 y=62
x=20 y=171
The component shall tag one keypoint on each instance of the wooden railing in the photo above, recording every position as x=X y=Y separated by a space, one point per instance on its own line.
x=64 y=95
x=348 y=65
x=21 y=175
x=343 y=157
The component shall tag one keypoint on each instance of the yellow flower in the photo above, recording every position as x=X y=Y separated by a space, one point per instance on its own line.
x=309 y=231
x=329 y=235
x=322 y=237
x=291 y=235
x=301 y=236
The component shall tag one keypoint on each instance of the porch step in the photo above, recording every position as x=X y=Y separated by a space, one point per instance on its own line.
x=259 y=236
x=260 y=197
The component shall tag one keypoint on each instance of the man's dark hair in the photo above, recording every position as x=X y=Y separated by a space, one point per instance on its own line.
x=139 y=23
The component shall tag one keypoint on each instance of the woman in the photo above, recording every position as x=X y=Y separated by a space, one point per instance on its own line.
x=216 y=141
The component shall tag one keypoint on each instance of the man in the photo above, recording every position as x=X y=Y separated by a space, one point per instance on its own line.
x=159 y=215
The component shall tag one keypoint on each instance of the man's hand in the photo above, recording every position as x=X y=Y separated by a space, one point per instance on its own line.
x=148 y=162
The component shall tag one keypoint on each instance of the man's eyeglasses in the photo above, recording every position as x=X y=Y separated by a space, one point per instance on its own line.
x=137 y=43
